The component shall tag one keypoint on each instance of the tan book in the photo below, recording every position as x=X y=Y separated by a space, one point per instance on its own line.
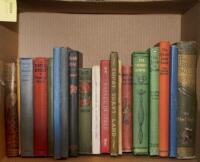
x=120 y=107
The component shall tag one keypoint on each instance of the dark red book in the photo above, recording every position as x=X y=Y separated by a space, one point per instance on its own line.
x=105 y=105
x=127 y=108
x=40 y=106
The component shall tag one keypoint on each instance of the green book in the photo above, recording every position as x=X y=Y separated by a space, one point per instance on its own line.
x=114 y=103
x=50 y=108
x=154 y=99
x=187 y=99
x=85 y=111
x=140 y=62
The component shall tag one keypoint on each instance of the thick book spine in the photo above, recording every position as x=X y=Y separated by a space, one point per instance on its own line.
x=40 y=106
x=154 y=101
x=96 y=109
x=127 y=126
x=164 y=98
x=85 y=111
x=64 y=84
x=120 y=107
x=105 y=105
x=26 y=112
x=57 y=101
x=75 y=61
x=173 y=99
x=187 y=99
x=50 y=108
x=11 y=111
x=140 y=102
x=114 y=103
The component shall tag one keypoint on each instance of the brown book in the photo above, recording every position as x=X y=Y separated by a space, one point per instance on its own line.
x=11 y=111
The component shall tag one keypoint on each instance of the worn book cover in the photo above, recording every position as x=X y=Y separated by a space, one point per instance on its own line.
x=85 y=111
x=26 y=108
x=154 y=101
x=105 y=105
x=11 y=110
x=187 y=99
x=173 y=99
x=140 y=62
x=114 y=104
x=40 y=80
x=96 y=109
x=127 y=127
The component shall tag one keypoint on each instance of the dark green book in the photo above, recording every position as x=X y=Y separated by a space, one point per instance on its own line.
x=85 y=110
x=50 y=108
x=187 y=99
x=154 y=100
x=114 y=103
x=140 y=61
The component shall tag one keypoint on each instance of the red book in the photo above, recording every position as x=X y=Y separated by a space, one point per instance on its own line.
x=105 y=105
x=40 y=107
x=164 y=98
x=127 y=108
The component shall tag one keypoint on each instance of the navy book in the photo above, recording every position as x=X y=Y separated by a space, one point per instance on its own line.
x=173 y=99
x=57 y=102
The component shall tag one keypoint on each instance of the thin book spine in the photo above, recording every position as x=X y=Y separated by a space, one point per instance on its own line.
x=154 y=101
x=173 y=99
x=96 y=109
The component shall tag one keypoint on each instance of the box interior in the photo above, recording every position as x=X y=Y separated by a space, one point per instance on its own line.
x=95 y=35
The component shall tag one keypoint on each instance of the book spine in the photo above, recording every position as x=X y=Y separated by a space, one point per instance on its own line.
x=85 y=111
x=154 y=101
x=75 y=61
x=105 y=105
x=57 y=102
x=164 y=98
x=114 y=103
x=11 y=111
x=127 y=126
x=64 y=103
x=187 y=99
x=40 y=106
x=173 y=99
x=50 y=108
x=140 y=102
x=96 y=109
x=26 y=112
x=120 y=107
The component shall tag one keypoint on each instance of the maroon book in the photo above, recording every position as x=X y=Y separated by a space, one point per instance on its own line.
x=105 y=105
x=40 y=107
x=127 y=108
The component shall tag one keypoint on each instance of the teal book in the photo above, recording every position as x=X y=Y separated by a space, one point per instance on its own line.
x=140 y=62
x=154 y=101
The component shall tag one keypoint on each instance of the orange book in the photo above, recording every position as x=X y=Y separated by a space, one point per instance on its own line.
x=164 y=98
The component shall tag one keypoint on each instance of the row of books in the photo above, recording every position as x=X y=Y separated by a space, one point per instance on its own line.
x=147 y=108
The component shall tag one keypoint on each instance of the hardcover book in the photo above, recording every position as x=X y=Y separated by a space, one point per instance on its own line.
x=96 y=109
x=187 y=99
x=114 y=104
x=11 y=111
x=50 y=108
x=127 y=127
x=154 y=101
x=164 y=98
x=40 y=106
x=85 y=111
x=75 y=62
x=173 y=99
x=120 y=107
x=105 y=105
x=140 y=62
x=26 y=111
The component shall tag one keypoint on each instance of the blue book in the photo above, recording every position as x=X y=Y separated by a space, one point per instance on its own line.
x=57 y=102
x=173 y=99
